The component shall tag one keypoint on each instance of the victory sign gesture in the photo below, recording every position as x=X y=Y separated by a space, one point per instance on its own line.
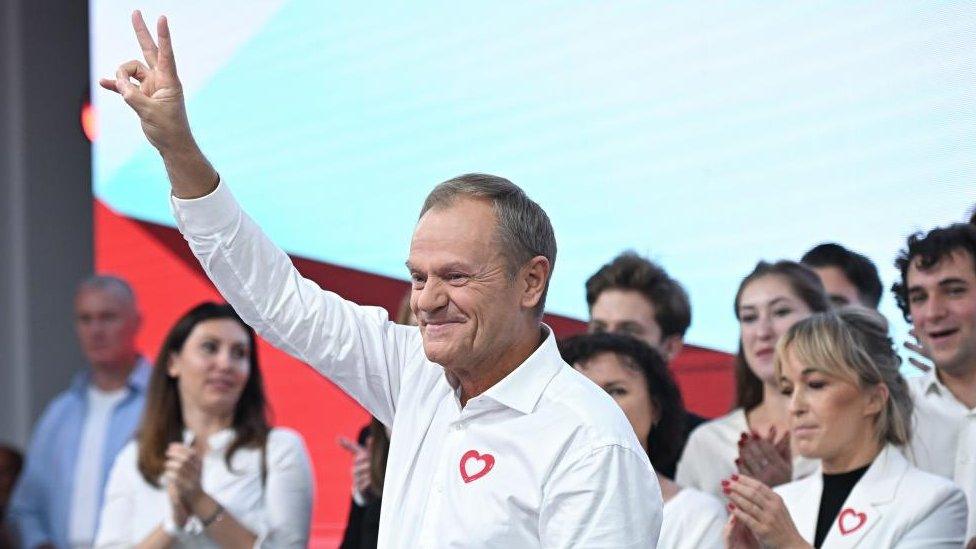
x=158 y=101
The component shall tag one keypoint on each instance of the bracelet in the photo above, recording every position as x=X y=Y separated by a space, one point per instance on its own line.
x=214 y=517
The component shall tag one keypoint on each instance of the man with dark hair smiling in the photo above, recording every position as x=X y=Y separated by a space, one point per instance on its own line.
x=848 y=277
x=937 y=294
x=496 y=442
x=634 y=296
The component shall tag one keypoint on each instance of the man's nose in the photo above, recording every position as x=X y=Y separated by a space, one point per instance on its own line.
x=432 y=296
x=934 y=308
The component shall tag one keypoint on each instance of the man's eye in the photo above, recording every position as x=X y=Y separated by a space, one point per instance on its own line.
x=616 y=392
x=956 y=290
x=916 y=298
x=209 y=346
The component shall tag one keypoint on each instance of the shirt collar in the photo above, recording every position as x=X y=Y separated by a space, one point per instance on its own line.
x=217 y=442
x=522 y=388
x=138 y=378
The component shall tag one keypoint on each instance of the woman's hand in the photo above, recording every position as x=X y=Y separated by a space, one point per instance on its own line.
x=738 y=536
x=763 y=512
x=765 y=458
x=361 y=480
x=179 y=511
x=183 y=472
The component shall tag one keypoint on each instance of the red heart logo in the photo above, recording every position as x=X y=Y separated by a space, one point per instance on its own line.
x=850 y=520
x=487 y=461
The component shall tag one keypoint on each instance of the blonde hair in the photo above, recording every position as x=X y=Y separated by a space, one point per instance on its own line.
x=853 y=344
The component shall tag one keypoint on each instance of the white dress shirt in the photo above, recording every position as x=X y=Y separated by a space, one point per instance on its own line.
x=276 y=509
x=88 y=469
x=944 y=437
x=712 y=448
x=693 y=520
x=894 y=505
x=544 y=458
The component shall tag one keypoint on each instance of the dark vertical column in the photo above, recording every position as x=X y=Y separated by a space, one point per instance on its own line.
x=45 y=202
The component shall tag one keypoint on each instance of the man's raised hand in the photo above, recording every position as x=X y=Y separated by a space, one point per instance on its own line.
x=158 y=96
x=158 y=101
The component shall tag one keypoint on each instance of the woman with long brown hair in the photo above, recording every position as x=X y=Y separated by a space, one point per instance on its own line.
x=206 y=468
x=754 y=437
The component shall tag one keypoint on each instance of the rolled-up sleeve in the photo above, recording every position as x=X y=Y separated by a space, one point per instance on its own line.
x=609 y=497
x=356 y=347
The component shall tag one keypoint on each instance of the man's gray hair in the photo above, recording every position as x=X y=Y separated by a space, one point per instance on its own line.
x=109 y=283
x=524 y=230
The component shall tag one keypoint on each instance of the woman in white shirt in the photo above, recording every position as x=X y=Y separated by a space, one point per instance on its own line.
x=638 y=379
x=849 y=408
x=753 y=438
x=206 y=469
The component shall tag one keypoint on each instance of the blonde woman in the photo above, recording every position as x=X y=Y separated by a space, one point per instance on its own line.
x=850 y=408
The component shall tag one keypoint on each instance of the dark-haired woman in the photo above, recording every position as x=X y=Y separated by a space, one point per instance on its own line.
x=753 y=438
x=638 y=379
x=206 y=468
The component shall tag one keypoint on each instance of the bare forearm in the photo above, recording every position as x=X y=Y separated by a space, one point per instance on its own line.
x=189 y=171
x=157 y=539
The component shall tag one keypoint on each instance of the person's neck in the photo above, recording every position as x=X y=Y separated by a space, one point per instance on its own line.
x=203 y=423
x=771 y=412
x=962 y=384
x=114 y=376
x=478 y=378
x=854 y=456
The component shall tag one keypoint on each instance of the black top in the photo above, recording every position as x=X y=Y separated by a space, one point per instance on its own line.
x=836 y=488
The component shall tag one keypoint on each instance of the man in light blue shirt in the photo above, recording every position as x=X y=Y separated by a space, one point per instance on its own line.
x=57 y=499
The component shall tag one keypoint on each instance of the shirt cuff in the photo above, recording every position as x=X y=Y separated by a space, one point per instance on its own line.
x=207 y=214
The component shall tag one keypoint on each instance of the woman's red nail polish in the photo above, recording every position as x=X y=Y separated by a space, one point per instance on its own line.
x=727 y=490
x=731 y=507
x=725 y=483
x=735 y=477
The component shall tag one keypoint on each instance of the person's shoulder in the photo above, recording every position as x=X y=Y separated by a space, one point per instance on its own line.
x=588 y=408
x=916 y=482
x=698 y=503
x=285 y=438
x=126 y=464
x=285 y=445
x=64 y=404
x=731 y=424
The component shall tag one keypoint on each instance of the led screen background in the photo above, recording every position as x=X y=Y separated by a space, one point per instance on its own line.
x=704 y=135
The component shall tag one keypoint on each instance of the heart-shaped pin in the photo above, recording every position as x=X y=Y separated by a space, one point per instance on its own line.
x=475 y=465
x=850 y=520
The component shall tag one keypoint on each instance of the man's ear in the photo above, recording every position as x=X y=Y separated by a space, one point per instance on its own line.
x=533 y=278
x=671 y=346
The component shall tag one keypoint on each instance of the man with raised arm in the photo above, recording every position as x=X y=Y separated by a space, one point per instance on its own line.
x=496 y=441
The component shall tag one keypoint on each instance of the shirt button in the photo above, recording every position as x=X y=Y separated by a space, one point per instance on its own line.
x=459 y=426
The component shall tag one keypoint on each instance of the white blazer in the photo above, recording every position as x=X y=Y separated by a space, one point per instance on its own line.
x=893 y=505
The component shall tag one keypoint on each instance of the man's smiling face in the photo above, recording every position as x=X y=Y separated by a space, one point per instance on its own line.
x=463 y=295
x=942 y=301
